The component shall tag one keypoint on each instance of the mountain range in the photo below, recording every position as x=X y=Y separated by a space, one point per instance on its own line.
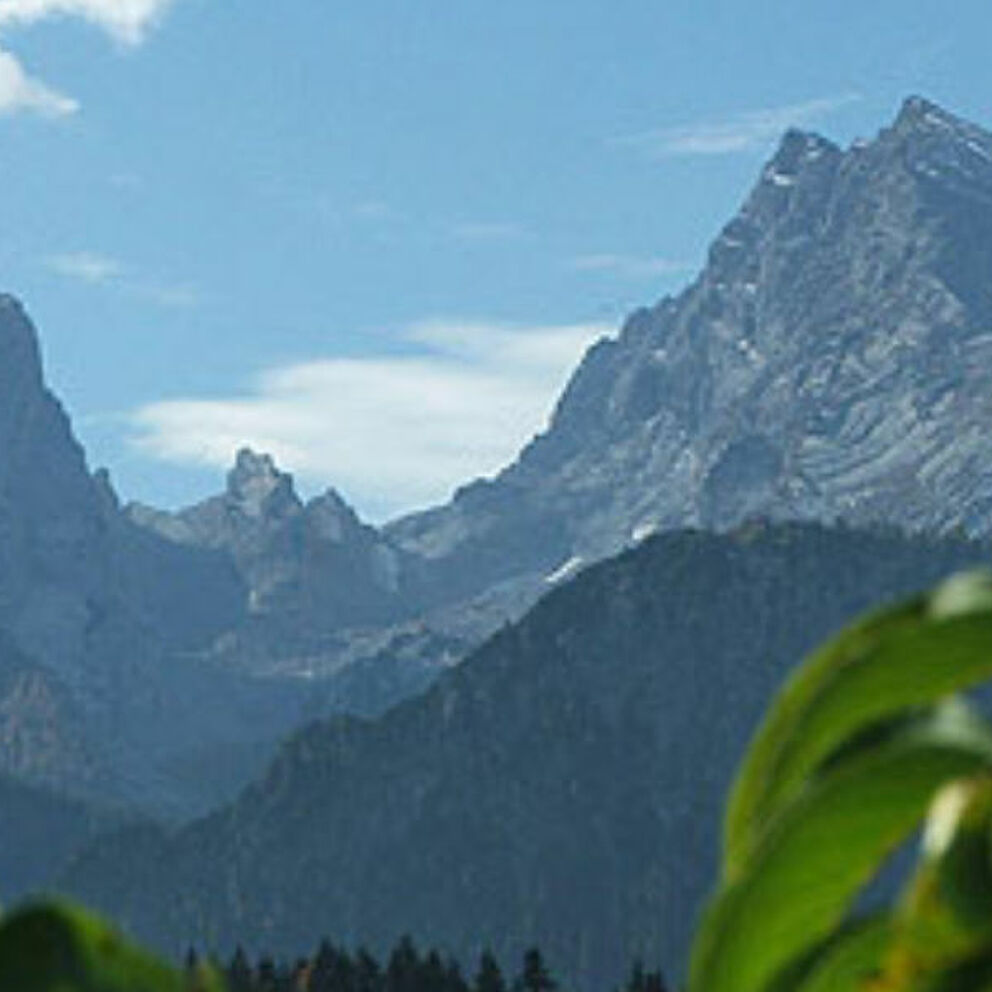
x=562 y=786
x=829 y=364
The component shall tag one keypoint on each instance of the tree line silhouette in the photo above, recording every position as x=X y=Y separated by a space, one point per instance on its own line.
x=334 y=969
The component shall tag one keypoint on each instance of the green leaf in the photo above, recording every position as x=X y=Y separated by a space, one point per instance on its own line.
x=888 y=663
x=945 y=921
x=847 y=961
x=59 y=948
x=821 y=849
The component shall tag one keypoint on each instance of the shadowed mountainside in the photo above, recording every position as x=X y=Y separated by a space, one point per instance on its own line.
x=561 y=787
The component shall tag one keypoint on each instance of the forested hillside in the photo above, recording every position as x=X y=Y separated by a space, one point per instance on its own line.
x=561 y=788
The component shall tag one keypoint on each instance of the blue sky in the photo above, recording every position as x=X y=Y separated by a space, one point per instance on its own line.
x=375 y=236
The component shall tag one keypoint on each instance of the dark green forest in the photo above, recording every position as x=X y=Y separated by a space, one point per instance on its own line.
x=405 y=969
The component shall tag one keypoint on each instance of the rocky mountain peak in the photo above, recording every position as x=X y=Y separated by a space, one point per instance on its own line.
x=796 y=150
x=938 y=146
x=331 y=517
x=830 y=361
x=20 y=368
x=258 y=488
x=917 y=113
x=18 y=339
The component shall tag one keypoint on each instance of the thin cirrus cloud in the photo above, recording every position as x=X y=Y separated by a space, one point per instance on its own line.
x=746 y=131
x=84 y=266
x=94 y=269
x=393 y=432
x=126 y=21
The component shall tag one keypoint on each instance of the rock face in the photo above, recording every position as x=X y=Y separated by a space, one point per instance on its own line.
x=155 y=658
x=42 y=734
x=562 y=786
x=313 y=564
x=95 y=612
x=831 y=360
x=53 y=562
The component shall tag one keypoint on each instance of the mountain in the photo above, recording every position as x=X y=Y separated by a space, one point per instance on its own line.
x=331 y=601
x=66 y=553
x=312 y=563
x=102 y=688
x=562 y=786
x=42 y=831
x=42 y=734
x=830 y=361
x=155 y=659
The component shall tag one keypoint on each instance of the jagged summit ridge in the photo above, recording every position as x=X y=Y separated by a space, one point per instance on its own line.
x=315 y=562
x=257 y=488
x=831 y=360
x=920 y=114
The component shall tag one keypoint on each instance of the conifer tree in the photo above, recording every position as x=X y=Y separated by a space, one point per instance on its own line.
x=433 y=974
x=368 y=975
x=239 y=974
x=403 y=969
x=453 y=981
x=535 y=976
x=489 y=977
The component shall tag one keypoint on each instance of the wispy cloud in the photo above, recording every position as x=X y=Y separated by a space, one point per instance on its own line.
x=19 y=92
x=738 y=133
x=393 y=432
x=84 y=266
x=95 y=269
x=629 y=266
x=126 y=21
x=174 y=296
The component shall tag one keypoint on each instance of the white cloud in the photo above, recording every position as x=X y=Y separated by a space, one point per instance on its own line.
x=85 y=266
x=100 y=270
x=128 y=21
x=629 y=266
x=741 y=132
x=20 y=92
x=392 y=432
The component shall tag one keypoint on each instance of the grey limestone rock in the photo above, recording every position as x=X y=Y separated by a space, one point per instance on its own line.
x=831 y=360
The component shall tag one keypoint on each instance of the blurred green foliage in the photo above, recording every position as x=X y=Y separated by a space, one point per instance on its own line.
x=57 y=947
x=865 y=745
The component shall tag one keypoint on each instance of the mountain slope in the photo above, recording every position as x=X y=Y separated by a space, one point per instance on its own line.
x=562 y=786
x=100 y=620
x=831 y=360
x=42 y=831
x=312 y=564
